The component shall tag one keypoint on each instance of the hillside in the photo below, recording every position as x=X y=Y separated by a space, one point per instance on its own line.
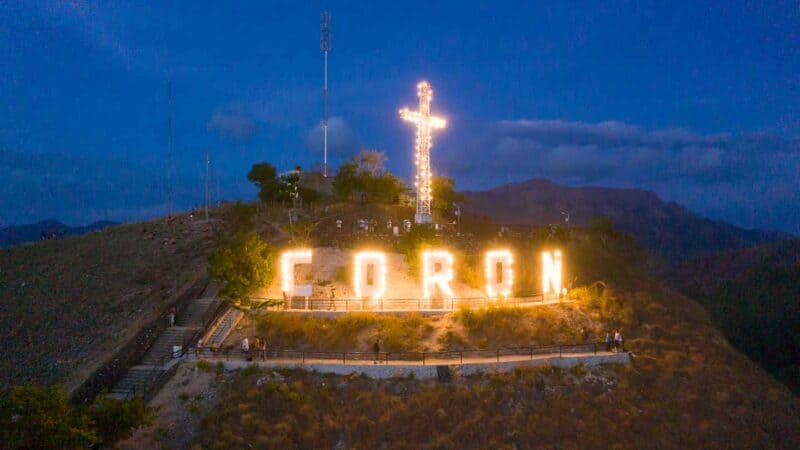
x=68 y=304
x=665 y=228
x=686 y=387
x=752 y=294
x=18 y=234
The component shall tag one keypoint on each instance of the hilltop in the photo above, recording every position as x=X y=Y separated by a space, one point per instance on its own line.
x=74 y=301
x=667 y=229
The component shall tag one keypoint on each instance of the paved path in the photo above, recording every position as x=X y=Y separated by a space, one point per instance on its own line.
x=428 y=369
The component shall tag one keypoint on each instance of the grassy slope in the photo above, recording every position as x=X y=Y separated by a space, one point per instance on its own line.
x=687 y=388
x=68 y=304
x=752 y=295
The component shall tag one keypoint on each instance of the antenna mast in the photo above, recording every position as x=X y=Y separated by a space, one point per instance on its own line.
x=325 y=45
x=169 y=148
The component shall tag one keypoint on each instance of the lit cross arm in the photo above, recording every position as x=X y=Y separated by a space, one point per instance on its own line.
x=416 y=118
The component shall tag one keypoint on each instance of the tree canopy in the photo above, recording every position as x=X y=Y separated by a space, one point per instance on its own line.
x=445 y=195
x=245 y=262
x=365 y=174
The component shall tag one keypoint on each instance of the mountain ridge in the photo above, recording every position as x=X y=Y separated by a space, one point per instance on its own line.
x=667 y=228
x=20 y=234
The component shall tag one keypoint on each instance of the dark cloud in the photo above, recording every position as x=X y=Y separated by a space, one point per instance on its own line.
x=233 y=122
x=342 y=142
x=741 y=178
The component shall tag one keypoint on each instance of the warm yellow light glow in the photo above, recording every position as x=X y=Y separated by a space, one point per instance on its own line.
x=437 y=271
x=289 y=259
x=499 y=282
x=361 y=282
x=551 y=272
x=425 y=124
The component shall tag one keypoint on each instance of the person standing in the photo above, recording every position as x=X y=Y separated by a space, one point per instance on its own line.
x=172 y=317
x=608 y=341
x=245 y=346
x=376 y=348
x=618 y=338
x=200 y=347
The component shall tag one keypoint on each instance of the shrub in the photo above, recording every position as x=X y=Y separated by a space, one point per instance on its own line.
x=245 y=263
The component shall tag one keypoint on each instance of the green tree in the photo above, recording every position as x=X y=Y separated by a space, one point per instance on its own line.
x=444 y=195
x=265 y=177
x=43 y=418
x=364 y=174
x=245 y=263
x=116 y=417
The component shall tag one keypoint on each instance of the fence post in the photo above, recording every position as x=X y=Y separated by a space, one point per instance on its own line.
x=559 y=350
x=462 y=356
x=531 y=353
x=498 y=356
x=423 y=358
x=304 y=356
x=344 y=358
x=346 y=306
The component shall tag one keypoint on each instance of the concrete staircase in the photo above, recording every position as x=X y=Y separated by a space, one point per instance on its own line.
x=136 y=381
x=156 y=361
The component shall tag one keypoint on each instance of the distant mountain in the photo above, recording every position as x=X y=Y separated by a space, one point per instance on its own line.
x=752 y=294
x=667 y=229
x=18 y=234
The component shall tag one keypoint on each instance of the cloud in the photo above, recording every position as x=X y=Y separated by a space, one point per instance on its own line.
x=233 y=122
x=342 y=142
x=747 y=179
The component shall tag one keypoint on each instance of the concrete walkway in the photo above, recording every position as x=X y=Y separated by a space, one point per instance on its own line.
x=428 y=369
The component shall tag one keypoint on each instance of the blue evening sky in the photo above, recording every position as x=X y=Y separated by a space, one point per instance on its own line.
x=699 y=102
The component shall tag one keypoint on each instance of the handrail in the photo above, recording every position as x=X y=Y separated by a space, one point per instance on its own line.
x=406 y=304
x=233 y=353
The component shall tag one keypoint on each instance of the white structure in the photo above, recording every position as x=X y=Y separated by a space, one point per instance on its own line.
x=369 y=275
x=437 y=273
x=425 y=124
x=551 y=273
x=289 y=260
x=499 y=274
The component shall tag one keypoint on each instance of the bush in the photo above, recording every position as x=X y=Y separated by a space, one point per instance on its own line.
x=43 y=418
x=244 y=263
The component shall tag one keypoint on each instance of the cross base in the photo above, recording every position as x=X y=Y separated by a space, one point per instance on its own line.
x=420 y=218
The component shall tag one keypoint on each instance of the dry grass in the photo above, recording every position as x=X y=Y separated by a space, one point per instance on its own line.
x=356 y=331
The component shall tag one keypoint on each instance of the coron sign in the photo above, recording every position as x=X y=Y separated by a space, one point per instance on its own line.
x=438 y=271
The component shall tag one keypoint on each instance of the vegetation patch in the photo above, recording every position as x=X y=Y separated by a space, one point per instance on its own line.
x=353 y=332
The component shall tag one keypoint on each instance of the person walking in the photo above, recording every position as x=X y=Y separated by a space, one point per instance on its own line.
x=172 y=317
x=200 y=347
x=376 y=348
x=608 y=341
x=332 y=304
x=263 y=349
x=618 y=339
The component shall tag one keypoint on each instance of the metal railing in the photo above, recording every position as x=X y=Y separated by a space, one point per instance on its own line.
x=231 y=353
x=408 y=304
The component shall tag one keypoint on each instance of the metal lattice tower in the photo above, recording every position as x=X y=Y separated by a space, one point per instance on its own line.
x=425 y=125
x=325 y=45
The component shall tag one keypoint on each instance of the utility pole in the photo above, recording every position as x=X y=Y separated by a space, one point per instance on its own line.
x=325 y=45
x=208 y=182
x=169 y=148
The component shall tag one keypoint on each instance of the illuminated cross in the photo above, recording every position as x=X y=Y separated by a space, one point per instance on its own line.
x=425 y=124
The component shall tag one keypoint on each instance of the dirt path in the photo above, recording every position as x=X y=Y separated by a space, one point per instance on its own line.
x=181 y=404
